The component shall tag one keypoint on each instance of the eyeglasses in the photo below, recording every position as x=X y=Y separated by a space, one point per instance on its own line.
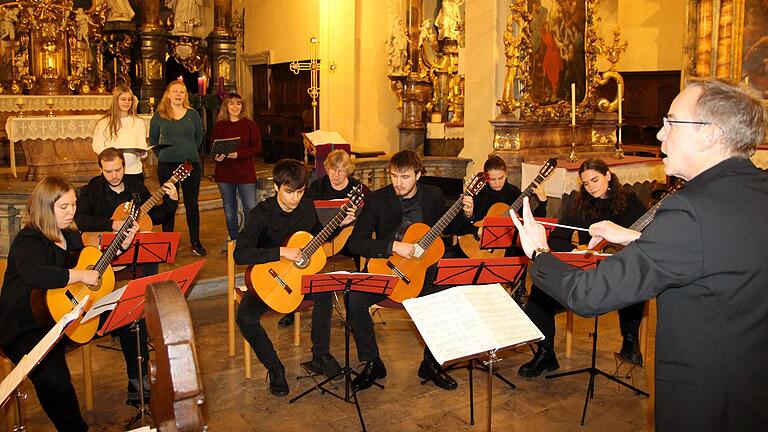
x=668 y=122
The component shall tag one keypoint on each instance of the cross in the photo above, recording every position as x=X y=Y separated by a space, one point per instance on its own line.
x=313 y=66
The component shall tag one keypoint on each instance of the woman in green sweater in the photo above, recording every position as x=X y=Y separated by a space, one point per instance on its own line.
x=177 y=131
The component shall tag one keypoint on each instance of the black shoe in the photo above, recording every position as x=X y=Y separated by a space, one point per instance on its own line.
x=278 y=386
x=286 y=320
x=198 y=249
x=324 y=364
x=372 y=371
x=431 y=371
x=630 y=350
x=543 y=361
x=133 y=391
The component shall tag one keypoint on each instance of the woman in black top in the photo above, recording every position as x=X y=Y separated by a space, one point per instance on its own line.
x=600 y=197
x=38 y=259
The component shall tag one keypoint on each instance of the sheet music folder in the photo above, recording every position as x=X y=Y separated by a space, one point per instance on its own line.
x=466 y=321
x=224 y=146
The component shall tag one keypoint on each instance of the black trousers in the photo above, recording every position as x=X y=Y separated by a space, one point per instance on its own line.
x=190 y=188
x=53 y=383
x=541 y=309
x=252 y=308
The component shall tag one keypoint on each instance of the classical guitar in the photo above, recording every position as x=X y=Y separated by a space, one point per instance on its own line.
x=605 y=247
x=470 y=243
x=278 y=283
x=336 y=244
x=145 y=222
x=61 y=301
x=427 y=251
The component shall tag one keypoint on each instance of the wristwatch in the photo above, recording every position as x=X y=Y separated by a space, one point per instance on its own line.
x=538 y=252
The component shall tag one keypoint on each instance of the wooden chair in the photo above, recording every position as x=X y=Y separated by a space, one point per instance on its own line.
x=6 y=366
x=234 y=295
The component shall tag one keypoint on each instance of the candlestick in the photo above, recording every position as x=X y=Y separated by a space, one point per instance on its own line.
x=573 y=104
x=50 y=103
x=114 y=67
x=621 y=96
x=20 y=104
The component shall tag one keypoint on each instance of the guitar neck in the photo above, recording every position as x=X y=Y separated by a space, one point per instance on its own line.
x=438 y=228
x=518 y=204
x=109 y=254
x=153 y=201
x=326 y=232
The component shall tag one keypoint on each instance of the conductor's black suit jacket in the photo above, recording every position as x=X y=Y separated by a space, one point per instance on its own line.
x=704 y=258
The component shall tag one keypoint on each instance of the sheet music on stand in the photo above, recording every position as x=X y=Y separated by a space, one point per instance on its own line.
x=469 y=320
x=36 y=355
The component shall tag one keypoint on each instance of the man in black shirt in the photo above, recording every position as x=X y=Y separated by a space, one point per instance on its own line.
x=387 y=214
x=96 y=204
x=267 y=227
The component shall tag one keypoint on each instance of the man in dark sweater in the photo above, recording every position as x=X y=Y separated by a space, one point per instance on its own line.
x=96 y=204
x=387 y=214
x=266 y=229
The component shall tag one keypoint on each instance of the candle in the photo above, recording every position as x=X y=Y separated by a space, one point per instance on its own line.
x=152 y=100
x=205 y=85
x=200 y=85
x=573 y=104
x=621 y=96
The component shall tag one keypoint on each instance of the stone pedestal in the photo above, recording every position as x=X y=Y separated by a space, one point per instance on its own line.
x=413 y=129
x=154 y=46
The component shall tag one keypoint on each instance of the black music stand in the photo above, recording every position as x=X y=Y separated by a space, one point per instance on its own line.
x=146 y=248
x=479 y=271
x=129 y=309
x=347 y=282
x=586 y=261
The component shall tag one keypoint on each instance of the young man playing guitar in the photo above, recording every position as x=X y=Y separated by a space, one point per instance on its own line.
x=267 y=227
x=97 y=202
x=388 y=211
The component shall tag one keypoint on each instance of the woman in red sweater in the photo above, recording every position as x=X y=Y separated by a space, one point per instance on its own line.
x=235 y=172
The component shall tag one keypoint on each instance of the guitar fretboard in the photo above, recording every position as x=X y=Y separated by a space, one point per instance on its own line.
x=438 y=228
x=518 y=204
x=326 y=232
x=111 y=251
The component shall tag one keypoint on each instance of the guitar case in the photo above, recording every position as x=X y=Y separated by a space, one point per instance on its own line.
x=177 y=391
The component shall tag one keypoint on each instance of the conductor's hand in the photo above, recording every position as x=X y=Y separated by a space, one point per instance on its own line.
x=405 y=250
x=88 y=277
x=170 y=190
x=291 y=254
x=350 y=218
x=532 y=235
x=219 y=157
x=612 y=232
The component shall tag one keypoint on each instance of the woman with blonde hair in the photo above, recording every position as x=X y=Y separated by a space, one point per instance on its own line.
x=235 y=172
x=38 y=260
x=122 y=129
x=177 y=131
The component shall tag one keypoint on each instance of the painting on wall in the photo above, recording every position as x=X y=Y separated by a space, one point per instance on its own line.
x=754 y=60
x=557 y=37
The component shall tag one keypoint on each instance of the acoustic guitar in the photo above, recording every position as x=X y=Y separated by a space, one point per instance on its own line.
x=427 y=251
x=145 y=221
x=336 y=244
x=470 y=243
x=278 y=283
x=60 y=301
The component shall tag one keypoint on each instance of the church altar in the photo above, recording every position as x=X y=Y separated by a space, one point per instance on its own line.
x=38 y=103
x=59 y=146
x=565 y=178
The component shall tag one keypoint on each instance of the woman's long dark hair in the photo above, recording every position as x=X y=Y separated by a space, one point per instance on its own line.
x=585 y=207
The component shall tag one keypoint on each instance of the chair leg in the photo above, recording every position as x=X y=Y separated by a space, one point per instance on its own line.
x=296 y=328
x=88 y=376
x=247 y=359
x=231 y=298
x=10 y=407
x=568 y=334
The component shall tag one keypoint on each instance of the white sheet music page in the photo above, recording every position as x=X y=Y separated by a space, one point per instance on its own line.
x=467 y=320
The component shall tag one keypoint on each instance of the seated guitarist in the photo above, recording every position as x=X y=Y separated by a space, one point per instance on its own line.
x=97 y=202
x=387 y=211
x=267 y=227
x=39 y=260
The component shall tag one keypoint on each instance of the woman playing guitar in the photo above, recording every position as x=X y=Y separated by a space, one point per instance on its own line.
x=600 y=197
x=38 y=259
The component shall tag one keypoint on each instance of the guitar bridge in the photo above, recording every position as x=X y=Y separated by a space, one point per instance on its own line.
x=72 y=298
x=280 y=280
x=397 y=272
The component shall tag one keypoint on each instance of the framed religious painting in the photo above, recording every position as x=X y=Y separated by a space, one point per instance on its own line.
x=550 y=47
x=728 y=40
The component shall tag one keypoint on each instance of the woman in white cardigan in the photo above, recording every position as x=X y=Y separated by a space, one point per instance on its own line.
x=122 y=129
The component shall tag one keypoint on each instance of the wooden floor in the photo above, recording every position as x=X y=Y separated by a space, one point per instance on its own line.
x=233 y=403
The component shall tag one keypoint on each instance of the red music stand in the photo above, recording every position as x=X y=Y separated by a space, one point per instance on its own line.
x=585 y=261
x=346 y=282
x=146 y=248
x=499 y=232
x=129 y=309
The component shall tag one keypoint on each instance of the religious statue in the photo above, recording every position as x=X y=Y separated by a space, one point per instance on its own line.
x=397 y=47
x=426 y=33
x=10 y=16
x=82 y=20
x=186 y=15
x=120 y=10
x=449 y=23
